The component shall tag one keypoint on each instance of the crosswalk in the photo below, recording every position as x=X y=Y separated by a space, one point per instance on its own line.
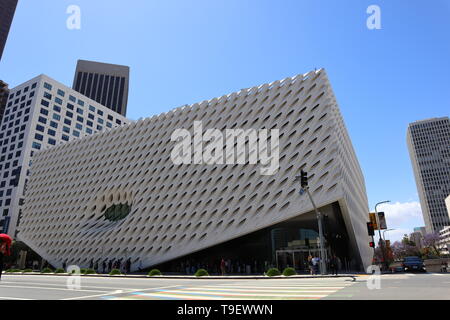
x=263 y=290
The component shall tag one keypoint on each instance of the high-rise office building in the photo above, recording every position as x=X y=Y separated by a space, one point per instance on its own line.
x=429 y=148
x=7 y=9
x=105 y=83
x=41 y=113
x=86 y=196
x=4 y=94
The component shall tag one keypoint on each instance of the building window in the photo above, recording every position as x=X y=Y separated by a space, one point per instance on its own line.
x=47 y=86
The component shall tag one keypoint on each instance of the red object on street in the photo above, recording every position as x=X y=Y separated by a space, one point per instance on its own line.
x=8 y=241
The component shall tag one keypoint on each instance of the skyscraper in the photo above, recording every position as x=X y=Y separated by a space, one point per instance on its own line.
x=41 y=113
x=4 y=94
x=7 y=9
x=105 y=83
x=429 y=149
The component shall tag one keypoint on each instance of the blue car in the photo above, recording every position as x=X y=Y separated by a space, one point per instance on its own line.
x=413 y=264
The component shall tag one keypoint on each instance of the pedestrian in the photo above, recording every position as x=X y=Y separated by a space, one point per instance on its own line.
x=315 y=265
x=129 y=265
x=2 y=253
x=64 y=265
x=222 y=266
x=104 y=266
x=310 y=264
x=96 y=266
x=334 y=265
x=110 y=264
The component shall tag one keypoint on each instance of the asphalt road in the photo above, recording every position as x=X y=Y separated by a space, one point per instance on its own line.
x=391 y=287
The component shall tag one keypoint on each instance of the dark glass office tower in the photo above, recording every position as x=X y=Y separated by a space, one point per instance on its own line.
x=105 y=83
x=7 y=9
x=4 y=93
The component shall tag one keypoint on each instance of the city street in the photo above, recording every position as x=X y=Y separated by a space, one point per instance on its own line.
x=395 y=286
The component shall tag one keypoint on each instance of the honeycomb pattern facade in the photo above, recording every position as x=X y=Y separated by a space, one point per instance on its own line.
x=180 y=209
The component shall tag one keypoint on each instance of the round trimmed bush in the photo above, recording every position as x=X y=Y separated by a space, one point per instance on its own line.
x=289 y=272
x=27 y=270
x=90 y=271
x=273 y=272
x=60 y=270
x=47 y=270
x=13 y=270
x=201 y=273
x=83 y=271
x=115 y=272
x=154 y=272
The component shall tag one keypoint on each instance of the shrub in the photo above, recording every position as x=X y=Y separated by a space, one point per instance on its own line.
x=289 y=272
x=201 y=273
x=13 y=270
x=154 y=272
x=83 y=271
x=273 y=272
x=27 y=271
x=115 y=272
x=47 y=270
x=60 y=270
x=90 y=271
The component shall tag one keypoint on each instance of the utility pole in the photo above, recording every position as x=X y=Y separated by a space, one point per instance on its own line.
x=304 y=184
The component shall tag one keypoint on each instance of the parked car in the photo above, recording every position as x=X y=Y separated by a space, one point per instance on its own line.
x=413 y=264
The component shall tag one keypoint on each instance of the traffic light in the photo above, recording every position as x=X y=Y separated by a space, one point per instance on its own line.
x=372 y=244
x=370 y=229
x=303 y=179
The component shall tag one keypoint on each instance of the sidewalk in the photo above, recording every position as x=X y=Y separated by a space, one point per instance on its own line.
x=214 y=277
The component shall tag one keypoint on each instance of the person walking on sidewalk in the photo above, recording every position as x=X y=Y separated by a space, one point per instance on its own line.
x=222 y=267
x=2 y=253
x=310 y=265
x=334 y=265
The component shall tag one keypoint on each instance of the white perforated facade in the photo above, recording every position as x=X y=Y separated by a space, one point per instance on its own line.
x=180 y=209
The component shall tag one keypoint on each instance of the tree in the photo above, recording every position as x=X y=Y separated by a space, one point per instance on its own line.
x=431 y=241
x=404 y=249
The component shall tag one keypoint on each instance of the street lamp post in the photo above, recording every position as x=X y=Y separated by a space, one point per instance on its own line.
x=384 y=237
x=303 y=178
x=379 y=231
x=323 y=265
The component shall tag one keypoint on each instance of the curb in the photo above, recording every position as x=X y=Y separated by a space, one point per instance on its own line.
x=353 y=277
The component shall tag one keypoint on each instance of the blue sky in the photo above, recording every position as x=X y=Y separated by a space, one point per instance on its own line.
x=181 y=52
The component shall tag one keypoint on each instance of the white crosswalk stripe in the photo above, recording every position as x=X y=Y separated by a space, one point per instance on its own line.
x=267 y=290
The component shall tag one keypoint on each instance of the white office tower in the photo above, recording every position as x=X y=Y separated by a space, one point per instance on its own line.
x=175 y=187
x=39 y=114
x=429 y=149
